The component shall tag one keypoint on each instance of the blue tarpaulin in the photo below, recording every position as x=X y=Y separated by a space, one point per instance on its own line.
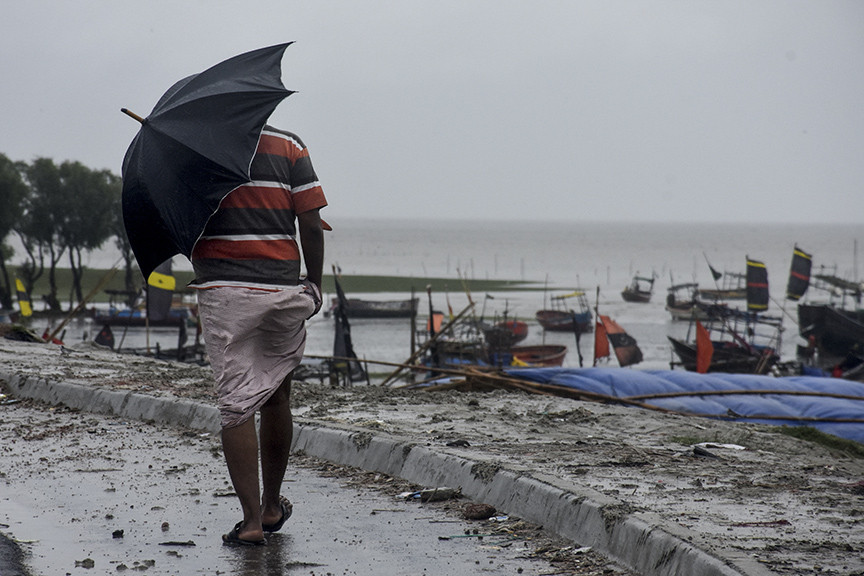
x=832 y=405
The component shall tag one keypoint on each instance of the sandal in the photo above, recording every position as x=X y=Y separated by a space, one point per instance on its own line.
x=287 y=509
x=233 y=538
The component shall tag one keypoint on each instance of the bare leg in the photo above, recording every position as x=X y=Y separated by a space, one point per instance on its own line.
x=276 y=434
x=240 y=445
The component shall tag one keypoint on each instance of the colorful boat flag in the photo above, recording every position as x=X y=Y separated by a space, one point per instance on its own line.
x=601 y=342
x=160 y=292
x=704 y=349
x=714 y=273
x=23 y=299
x=105 y=337
x=799 y=274
x=346 y=361
x=757 y=286
x=626 y=349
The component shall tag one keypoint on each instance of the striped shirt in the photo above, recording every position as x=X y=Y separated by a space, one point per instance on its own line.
x=250 y=240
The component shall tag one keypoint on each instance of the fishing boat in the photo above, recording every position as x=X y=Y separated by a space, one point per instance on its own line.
x=834 y=328
x=518 y=328
x=681 y=302
x=740 y=342
x=505 y=334
x=836 y=332
x=358 y=308
x=733 y=287
x=8 y=316
x=157 y=304
x=539 y=355
x=608 y=331
x=114 y=316
x=561 y=318
x=732 y=340
x=639 y=290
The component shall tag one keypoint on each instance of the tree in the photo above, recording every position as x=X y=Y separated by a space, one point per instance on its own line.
x=43 y=212
x=121 y=241
x=13 y=191
x=86 y=222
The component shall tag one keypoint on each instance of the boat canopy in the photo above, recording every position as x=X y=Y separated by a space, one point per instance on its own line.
x=569 y=295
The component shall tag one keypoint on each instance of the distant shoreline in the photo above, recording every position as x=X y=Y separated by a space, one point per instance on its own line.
x=351 y=284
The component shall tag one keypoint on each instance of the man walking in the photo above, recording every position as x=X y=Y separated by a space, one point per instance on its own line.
x=253 y=308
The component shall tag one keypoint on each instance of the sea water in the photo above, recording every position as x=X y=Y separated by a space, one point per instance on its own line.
x=555 y=257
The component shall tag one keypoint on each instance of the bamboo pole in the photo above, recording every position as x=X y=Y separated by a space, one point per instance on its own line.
x=734 y=392
x=426 y=345
x=101 y=284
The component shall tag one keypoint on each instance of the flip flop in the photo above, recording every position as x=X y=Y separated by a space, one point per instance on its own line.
x=233 y=538
x=287 y=509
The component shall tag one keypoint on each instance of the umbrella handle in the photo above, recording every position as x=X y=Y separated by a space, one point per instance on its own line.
x=132 y=114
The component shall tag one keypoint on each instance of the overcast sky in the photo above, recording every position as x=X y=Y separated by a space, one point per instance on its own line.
x=574 y=110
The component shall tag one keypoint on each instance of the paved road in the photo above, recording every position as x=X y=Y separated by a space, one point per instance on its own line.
x=70 y=481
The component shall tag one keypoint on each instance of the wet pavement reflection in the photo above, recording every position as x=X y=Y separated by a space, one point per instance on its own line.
x=85 y=494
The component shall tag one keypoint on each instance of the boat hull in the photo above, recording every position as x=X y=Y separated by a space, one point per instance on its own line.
x=138 y=319
x=713 y=295
x=540 y=355
x=836 y=332
x=559 y=321
x=686 y=312
x=504 y=335
x=635 y=296
x=518 y=328
x=357 y=308
x=728 y=357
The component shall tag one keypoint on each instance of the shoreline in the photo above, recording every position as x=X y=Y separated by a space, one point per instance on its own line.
x=351 y=284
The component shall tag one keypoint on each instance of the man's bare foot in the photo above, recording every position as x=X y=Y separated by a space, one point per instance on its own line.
x=239 y=536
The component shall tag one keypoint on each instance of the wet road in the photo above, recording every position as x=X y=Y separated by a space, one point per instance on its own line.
x=70 y=482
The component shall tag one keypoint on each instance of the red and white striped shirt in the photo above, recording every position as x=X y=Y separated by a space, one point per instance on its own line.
x=250 y=240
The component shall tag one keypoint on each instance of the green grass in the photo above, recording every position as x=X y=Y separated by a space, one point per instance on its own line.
x=810 y=434
x=371 y=284
x=351 y=284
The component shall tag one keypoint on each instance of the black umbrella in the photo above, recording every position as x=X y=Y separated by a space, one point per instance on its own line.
x=193 y=149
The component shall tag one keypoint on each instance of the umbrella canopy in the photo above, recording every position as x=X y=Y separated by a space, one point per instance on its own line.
x=193 y=149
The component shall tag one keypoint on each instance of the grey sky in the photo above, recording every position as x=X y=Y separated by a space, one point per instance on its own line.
x=573 y=110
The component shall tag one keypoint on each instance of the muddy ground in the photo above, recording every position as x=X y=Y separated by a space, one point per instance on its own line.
x=794 y=506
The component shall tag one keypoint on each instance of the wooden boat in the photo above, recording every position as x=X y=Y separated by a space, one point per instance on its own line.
x=8 y=316
x=540 y=355
x=518 y=328
x=681 y=302
x=506 y=334
x=833 y=329
x=560 y=318
x=734 y=340
x=728 y=357
x=734 y=287
x=358 y=308
x=157 y=304
x=742 y=342
x=138 y=317
x=639 y=290
x=836 y=332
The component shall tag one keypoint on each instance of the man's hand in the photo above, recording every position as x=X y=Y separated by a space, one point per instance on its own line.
x=315 y=292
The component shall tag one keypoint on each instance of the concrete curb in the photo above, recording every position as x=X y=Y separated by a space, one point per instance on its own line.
x=573 y=512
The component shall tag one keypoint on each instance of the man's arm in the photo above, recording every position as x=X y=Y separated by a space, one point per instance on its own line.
x=312 y=243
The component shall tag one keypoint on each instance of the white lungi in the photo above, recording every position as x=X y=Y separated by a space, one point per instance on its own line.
x=254 y=339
